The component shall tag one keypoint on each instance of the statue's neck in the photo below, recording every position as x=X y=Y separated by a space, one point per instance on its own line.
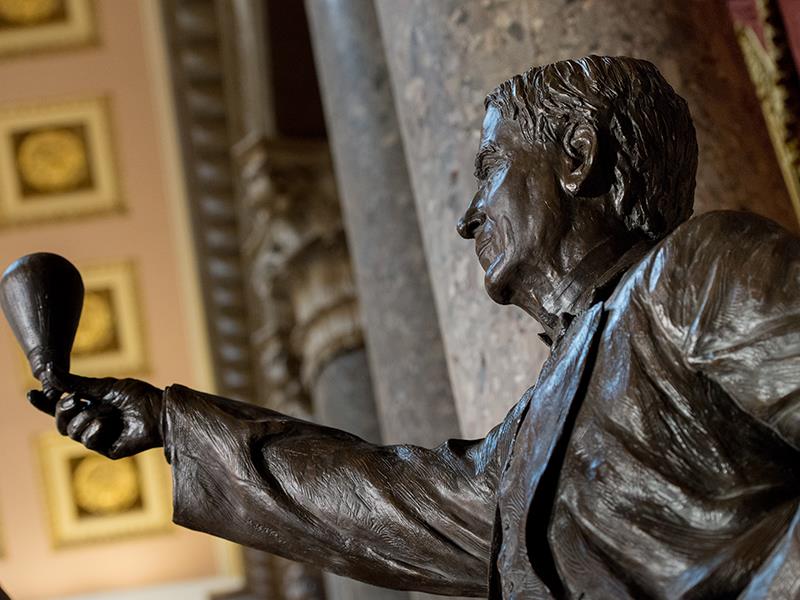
x=592 y=279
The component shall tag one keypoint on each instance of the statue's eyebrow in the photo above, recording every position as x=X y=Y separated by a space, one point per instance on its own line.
x=483 y=152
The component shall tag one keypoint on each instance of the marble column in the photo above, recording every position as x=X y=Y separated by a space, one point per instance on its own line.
x=406 y=354
x=342 y=396
x=342 y=393
x=444 y=56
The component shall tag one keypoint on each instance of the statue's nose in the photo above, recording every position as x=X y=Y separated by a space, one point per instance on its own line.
x=470 y=222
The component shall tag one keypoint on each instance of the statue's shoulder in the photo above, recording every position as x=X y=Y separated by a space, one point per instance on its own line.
x=722 y=229
x=730 y=248
x=721 y=238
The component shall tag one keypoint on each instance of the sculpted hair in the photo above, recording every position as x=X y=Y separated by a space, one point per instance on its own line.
x=634 y=111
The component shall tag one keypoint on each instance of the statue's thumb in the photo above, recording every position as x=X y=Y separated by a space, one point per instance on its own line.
x=91 y=387
x=88 y=387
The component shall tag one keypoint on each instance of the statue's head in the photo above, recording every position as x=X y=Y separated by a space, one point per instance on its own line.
x=576 y=156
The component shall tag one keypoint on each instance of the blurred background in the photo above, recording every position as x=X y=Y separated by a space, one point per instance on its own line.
x=261 y=196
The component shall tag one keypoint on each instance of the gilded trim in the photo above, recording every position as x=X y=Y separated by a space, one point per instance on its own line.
x=775 y=77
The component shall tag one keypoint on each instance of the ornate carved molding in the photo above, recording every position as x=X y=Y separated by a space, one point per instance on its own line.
x=200 y=85
x=299 y=268
x=200 y=97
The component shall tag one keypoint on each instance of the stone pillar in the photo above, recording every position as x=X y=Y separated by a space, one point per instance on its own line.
x=444 y=56
x=308 y=341
x=342 y=395
x=406 y=355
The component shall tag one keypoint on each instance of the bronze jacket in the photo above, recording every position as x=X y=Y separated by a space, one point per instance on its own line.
x=656 y=457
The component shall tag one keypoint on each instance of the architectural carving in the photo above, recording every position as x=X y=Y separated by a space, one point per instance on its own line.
x=303 y=302
x=200 y=87
x=299 y=269
x=297 y=278
x=194 y=35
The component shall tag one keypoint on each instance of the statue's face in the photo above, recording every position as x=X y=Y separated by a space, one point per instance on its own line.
x=516 y=218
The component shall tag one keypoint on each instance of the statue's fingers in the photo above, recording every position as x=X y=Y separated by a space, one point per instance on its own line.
x=79 y=422
x=40 y=400
x=66 y=409
x=118 y=449
x=99 y=434
x=125 y=443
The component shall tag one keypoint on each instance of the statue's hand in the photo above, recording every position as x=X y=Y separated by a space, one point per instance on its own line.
x=115 y=417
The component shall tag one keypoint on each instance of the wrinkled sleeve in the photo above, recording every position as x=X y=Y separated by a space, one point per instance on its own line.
x=740 y=315
x=396 y=516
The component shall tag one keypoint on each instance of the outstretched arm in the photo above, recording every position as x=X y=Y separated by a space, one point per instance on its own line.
x=396 y=516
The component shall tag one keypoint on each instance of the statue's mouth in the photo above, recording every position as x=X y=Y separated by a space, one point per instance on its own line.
x=481 y=246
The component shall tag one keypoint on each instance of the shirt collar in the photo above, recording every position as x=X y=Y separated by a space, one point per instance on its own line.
x=582 y=288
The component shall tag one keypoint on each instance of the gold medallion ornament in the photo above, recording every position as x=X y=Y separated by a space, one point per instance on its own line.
x=28 y=12
x=90 y=498
x=56 y=160
x=96 y=332
x=53 y=160
x=102 y=486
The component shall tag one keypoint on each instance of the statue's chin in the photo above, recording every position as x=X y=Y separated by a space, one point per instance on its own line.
x=496 y=282
x=497 y=296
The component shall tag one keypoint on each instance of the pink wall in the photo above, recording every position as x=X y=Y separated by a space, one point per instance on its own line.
x=116 y=68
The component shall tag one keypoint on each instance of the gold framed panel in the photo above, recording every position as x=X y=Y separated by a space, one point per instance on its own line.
x=56 y=162
x=90 y=498
x=37 y=25
x=110 y=339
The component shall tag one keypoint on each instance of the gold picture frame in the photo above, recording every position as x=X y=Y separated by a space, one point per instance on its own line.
x=28 y=26
x=91 y=498
x=56 y=162
x=110 y=339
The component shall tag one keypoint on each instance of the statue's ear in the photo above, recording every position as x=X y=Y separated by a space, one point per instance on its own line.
x=580 y=158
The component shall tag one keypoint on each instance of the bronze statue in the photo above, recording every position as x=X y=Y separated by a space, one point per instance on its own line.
x=657 y=455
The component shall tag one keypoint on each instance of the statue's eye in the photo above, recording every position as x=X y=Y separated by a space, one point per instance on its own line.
x=486 y=165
